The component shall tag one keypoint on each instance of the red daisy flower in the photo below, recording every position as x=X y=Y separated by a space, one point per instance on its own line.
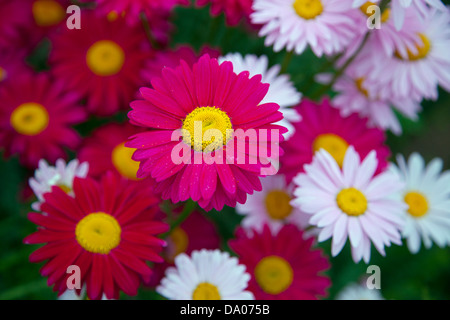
x=323 y=127
x=195 y=233
x=220 y=99
x=234 y=10
x=35 y=118
x=282 y=267
x=105 y=151
x=107 y=229
x=172 y=58
x=102 y=61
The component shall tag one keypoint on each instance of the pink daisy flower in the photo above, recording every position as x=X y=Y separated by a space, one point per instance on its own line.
x=171 y=59
x=351 y=203
x=399 y=8
x=354 y=96
x=323 y=127
x=102 y=61
x=282 y=266
x=272 y=206
x=35 y=118
x=327 y=26
x=107 y=229
x=387 y=37
x=62 y=175
x=419 y=75
x=195 y=233
x=105 y=151
x=220 y=99
x=234 y=10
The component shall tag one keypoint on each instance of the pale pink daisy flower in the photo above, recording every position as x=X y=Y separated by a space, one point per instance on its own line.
x=427 y=195
x=353 y=203
x=355 y=96
x=359 y=291
x=387 y=37
x=327 y=26
x=281 y=91
x=399 y=8
x=272 y=206
x=62 y=175
x=419 y=75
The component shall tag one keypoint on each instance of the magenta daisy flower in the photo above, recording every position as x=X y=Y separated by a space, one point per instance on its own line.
x=327 y=26
x=282 y=266
x=351 y=202
x=107 y=229
x=36 y=115
x=102 y=61
x=215 y=97
x=105 y=151
x=323 y=127
x=234 y=10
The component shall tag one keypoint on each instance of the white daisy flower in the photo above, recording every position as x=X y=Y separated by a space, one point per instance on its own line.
x=427 y=195
x=281 y=90
x=206 y=275
x=272 y=206
x=351 y=203
x=327 y=26
x=62 y=175
x=357 y=291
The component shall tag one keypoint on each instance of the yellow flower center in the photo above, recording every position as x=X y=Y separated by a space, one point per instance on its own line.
x=98 y=233
x=105 y=58
x=422 y=51
x=333 y=144
x=29 y=119
x=206 y=291
x=277 y=204
x=48 y=13
x=418 y=204
x=352 y=202
x=384 y=16
x=114 y=15
x=180 y=241
x=274 y=274
x=359 y=84
x=308 y=9
x=122 y=161
x=3 y=74
x=202 y=119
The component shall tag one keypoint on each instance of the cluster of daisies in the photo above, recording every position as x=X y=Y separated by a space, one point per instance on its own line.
x=129 y=216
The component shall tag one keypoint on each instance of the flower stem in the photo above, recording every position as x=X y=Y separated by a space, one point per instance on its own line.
x=189 y=207
x=148 y=31
x=286 y=61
